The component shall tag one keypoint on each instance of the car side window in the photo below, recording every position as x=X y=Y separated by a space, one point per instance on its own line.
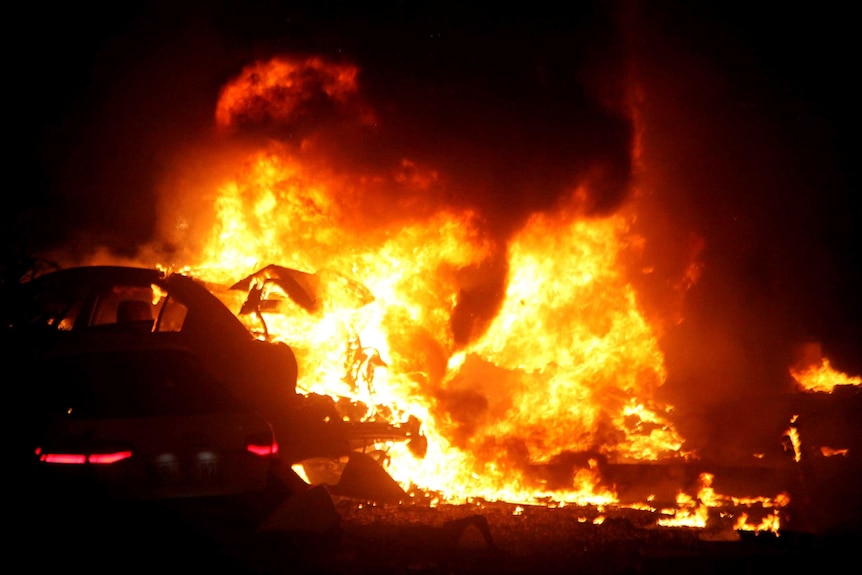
x=138 y=308
x=172 y=316
x=60 y=315
x=49 y=311
x=129 y=307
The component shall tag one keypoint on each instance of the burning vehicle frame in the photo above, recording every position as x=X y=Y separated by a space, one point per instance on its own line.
x=85 y=309
x=267 y=288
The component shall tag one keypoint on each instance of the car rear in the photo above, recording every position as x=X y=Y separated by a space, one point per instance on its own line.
x=148 y=424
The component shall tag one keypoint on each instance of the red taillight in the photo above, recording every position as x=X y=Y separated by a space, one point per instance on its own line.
x=69 y=458
x=262 y=445
x=107 y=458
x=82 y=458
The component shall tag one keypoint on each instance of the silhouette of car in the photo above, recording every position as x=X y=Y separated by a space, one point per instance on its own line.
x=85 y=308
x=90 y=308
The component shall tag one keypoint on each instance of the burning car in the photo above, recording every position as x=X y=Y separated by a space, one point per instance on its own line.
x=86 y=308
x=266 y=292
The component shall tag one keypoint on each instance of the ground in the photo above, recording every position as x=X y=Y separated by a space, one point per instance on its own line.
x=341 y=536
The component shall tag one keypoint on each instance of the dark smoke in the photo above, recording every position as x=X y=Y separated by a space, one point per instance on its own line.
x=516 y=106
x=748 y=130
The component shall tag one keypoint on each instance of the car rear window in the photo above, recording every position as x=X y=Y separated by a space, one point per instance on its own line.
x=140 y=383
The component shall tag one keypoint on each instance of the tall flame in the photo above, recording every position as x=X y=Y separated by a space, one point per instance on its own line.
x=568 y=363
x=515 y=354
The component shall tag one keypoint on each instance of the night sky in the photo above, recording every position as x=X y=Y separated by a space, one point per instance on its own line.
x=750 y=115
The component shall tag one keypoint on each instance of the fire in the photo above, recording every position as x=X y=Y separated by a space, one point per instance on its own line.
x=581 y=354
x=822 y=377
x=568 y=363
x=515 y=354
x=700 y=509
x=792 y=435
x=283 y=88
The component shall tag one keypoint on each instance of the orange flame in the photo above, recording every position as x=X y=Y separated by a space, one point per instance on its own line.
x=697 y=511
x=565 y=364
x=283 y=90
x=822 y=377
x=568 y=364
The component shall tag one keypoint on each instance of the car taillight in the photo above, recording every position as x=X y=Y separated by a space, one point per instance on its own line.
x=262 y=444
x=96 y=458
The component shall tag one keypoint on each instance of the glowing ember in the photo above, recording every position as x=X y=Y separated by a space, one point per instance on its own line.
x=830 y=452
x=697 y=510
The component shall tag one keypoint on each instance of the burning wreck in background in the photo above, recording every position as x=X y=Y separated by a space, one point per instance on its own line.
x=497 y=274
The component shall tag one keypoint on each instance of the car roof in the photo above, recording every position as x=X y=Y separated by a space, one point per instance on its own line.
x=83 y=279
x=76 y=283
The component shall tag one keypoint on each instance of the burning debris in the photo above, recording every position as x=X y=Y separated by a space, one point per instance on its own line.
x=814 y=373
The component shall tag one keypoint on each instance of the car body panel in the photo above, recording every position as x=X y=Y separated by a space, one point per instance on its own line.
x=77 y=309
x=169 y=428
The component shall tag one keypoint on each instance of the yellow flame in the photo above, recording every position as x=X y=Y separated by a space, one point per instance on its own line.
x=822 y=377
x=568 y=363
x=792 y=434
x=696 y=511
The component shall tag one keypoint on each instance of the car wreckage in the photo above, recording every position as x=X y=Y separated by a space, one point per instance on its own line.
x=85 y=308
